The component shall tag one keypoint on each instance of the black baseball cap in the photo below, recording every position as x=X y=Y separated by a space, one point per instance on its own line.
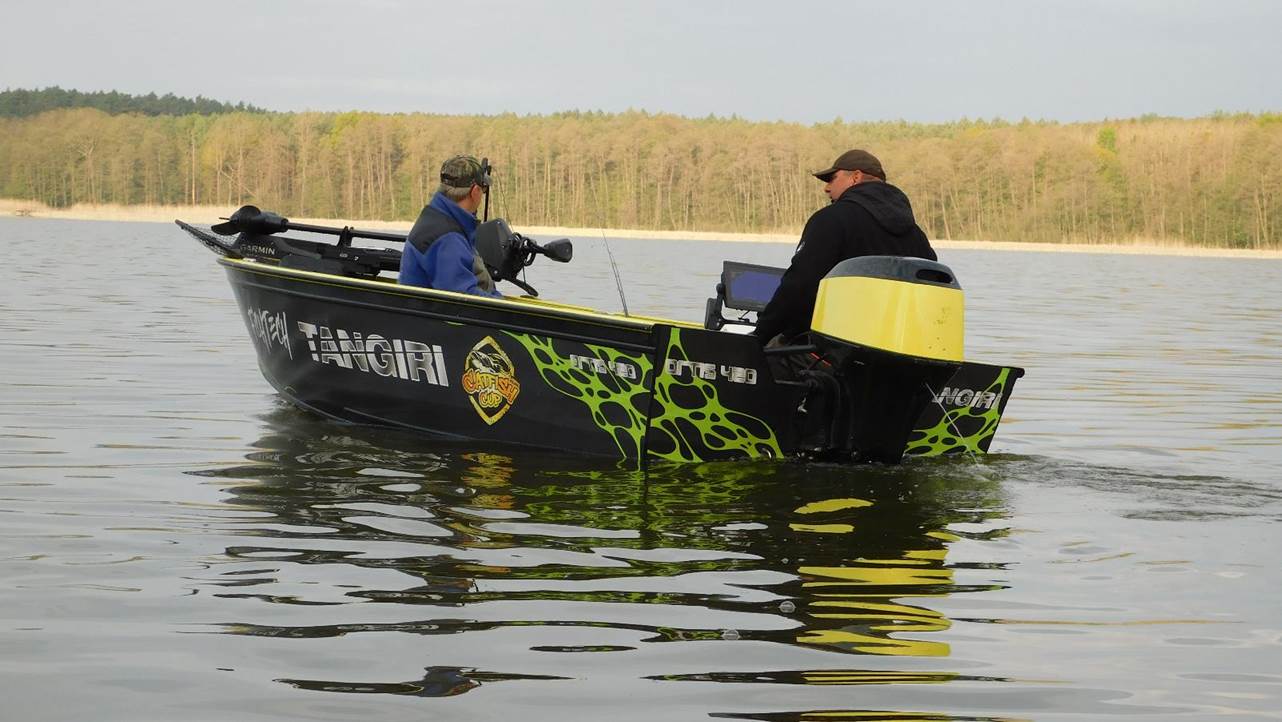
x=860 y=160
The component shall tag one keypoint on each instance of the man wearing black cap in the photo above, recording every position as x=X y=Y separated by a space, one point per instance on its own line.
x=867 y=217
x=440 y=251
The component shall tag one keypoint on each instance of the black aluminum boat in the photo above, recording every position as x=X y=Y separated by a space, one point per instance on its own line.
x=881 y=375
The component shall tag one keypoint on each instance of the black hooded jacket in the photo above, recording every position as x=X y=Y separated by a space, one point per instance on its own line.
x=870 y=219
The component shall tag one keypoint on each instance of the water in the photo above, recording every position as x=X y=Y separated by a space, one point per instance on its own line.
x=175 y=543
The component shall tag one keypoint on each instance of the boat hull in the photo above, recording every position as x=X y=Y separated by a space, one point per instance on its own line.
x=522 y=371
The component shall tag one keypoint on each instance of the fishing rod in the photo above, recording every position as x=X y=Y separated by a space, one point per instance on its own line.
x=618 y=281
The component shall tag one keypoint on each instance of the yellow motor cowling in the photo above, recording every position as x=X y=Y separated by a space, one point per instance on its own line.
x=908 y=306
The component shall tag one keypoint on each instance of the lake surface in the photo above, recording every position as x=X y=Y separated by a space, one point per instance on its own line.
x=176 y=543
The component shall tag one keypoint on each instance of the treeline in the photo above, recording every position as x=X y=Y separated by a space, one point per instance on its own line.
x=1213 y=181
x=21 y=103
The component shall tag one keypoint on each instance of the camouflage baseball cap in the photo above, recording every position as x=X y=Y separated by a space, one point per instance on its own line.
x=462 y=171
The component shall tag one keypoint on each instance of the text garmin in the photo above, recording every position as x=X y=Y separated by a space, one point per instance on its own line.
x=371 y=353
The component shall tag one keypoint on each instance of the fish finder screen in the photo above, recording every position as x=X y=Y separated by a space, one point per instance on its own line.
x=750 y=287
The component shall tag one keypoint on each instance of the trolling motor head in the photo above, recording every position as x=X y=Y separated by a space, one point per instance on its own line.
x=506 y=253
x=256 y=238
x=249 y=219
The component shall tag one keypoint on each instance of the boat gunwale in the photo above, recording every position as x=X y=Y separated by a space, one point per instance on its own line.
x=535 y=306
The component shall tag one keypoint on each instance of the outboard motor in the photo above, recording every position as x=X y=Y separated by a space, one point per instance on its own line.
x=892 y=330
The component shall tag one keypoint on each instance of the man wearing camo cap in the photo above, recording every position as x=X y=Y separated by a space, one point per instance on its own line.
x=440 y=251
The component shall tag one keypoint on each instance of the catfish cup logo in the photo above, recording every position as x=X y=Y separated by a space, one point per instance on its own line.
x=489 y=380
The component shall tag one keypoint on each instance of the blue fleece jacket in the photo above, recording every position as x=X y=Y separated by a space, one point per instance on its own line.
x=447 y=264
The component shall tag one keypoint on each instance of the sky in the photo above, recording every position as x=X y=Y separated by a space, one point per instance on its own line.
x=795 y=60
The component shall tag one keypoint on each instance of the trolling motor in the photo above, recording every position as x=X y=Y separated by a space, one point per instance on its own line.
x=506 y=253
x=256 y=238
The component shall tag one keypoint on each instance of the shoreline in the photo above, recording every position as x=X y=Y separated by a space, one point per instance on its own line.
x=210 y=215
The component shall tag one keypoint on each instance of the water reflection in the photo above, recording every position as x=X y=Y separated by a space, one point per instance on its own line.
x=585 y=559
x=437 y=682
x=862 y=716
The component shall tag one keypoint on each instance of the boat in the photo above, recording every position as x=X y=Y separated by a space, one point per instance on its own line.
x=881 y=375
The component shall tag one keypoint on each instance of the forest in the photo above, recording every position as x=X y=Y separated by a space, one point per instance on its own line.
x=1212 y=181
x=20 y=103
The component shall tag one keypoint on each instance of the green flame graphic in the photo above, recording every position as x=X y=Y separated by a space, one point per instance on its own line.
x=618 y=405
x=961 y=429
x=690 y=420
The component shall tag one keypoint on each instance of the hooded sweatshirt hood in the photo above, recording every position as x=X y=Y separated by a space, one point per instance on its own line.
x=885 y=203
